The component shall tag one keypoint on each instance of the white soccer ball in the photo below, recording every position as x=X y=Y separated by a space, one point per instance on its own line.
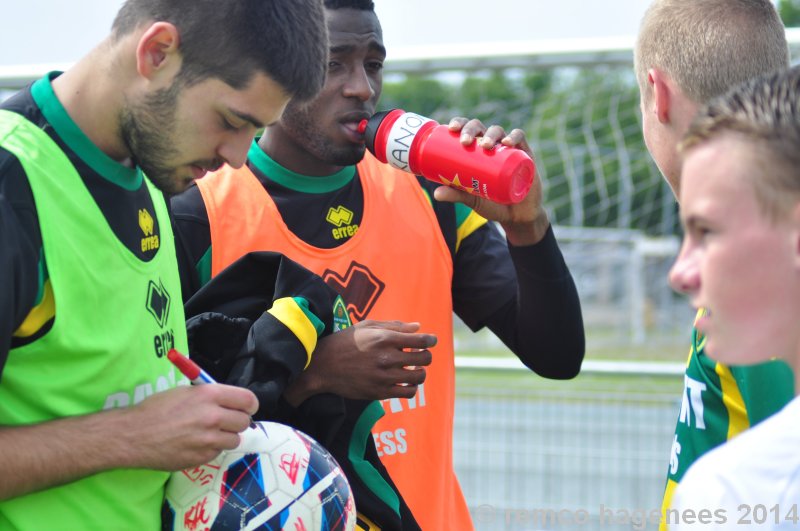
x=277 y=478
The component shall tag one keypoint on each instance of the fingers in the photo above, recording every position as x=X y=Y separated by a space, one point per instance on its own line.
x=398 y=334
x=221 y=411
x=457 y=124
x=492 y=137
x=403 y=391
x=234 y=398
x=229 y=440
x=489 y=137
x=409 y=383
x=470 y=129
x=417 y=341
x=416 y=359
x=516 y=138
x=415 y=376
x=234 y=422
x=398 y=326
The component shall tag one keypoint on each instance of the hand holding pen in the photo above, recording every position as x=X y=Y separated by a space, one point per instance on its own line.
x=193 y=371
x=182 y=427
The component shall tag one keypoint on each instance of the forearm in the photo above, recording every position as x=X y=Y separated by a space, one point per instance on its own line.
x=57 y=452
x=543 y=324
x=171 y=430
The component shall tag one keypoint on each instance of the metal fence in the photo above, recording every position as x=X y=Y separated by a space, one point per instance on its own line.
x=589 y=453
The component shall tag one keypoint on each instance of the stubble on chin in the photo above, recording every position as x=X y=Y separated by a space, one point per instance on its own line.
x=170 y=183
x=350 y=157
x=147 y=130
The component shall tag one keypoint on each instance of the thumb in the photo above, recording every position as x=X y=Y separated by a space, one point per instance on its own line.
x=449 y=194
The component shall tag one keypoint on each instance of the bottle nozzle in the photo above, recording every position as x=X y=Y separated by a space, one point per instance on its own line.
x=362 y=126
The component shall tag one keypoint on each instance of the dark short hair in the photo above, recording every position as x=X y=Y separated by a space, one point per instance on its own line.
x=232 y=40
x=364 y=5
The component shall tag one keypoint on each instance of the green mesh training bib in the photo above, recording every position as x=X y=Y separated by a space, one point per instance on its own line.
x=115 y=318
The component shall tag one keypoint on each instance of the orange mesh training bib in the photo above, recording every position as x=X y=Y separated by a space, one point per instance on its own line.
x=396 y=266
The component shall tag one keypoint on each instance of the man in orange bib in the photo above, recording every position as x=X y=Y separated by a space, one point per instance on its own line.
x=395 y=246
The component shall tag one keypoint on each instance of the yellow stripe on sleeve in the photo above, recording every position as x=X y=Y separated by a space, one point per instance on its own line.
x=39 y=314
x=288 y=311
x=473 y=222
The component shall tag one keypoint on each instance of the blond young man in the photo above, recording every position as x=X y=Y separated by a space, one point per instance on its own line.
x=687 y=52
x=740 y=259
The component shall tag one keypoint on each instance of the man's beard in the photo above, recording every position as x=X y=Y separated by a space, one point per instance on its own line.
x=146 y=128
x=300 y=126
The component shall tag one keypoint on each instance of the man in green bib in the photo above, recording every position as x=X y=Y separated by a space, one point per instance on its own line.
x=92 y=414
x=687 y=52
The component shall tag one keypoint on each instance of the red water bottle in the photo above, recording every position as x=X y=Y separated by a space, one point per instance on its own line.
x=422 y=146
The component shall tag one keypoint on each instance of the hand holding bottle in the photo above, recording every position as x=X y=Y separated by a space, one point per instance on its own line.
x=524 y=223
x=419 y=145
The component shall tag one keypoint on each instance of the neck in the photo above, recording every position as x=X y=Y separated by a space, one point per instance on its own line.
x=92 y=93
x=291 y=155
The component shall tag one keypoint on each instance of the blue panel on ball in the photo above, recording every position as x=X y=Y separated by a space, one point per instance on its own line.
x=319 y=465
x=242 y=494
x=167 y=517
x=333 y=508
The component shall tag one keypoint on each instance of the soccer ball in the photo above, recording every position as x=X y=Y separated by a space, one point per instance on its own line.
x=277 y=478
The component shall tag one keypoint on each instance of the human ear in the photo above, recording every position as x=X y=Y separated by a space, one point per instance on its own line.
x=157 y=49
x=662 y=95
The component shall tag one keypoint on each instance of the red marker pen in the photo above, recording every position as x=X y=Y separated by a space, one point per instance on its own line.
x=189 y=368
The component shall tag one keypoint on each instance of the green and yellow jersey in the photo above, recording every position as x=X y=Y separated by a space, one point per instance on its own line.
x=718 y=403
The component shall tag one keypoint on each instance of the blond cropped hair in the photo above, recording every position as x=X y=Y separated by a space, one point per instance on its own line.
x=708 y=46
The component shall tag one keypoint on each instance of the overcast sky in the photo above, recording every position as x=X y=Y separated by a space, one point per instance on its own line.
x=58 y=31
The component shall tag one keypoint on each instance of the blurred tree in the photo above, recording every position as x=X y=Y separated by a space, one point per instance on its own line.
x=487 y=98
x=790 y=12
x=417 y=94
x=539 y=81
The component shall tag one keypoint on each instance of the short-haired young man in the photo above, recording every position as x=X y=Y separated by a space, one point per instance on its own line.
x=411 y=250
x=92 y=414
